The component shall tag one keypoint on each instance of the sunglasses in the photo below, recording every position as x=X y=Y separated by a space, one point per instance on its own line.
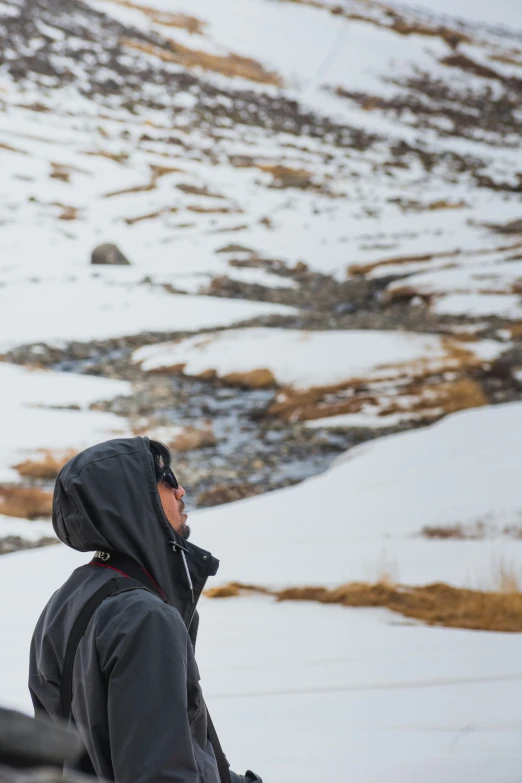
x=169 y=478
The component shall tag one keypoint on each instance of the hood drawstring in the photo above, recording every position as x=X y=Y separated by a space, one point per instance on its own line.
x=191 y=586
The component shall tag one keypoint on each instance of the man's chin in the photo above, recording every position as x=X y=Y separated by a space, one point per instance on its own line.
x=184 y=531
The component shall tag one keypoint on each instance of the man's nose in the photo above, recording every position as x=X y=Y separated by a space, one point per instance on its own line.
x=179 y=492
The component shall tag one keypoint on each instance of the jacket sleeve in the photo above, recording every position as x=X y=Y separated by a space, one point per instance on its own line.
x=142 y=648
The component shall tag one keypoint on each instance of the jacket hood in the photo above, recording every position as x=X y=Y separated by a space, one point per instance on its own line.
x=106 y=498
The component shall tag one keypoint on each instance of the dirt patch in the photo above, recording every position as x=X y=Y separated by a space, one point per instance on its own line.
x=434 y=604
x=25 y=502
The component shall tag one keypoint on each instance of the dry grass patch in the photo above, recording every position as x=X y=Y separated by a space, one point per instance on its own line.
x=391 y=19
x=117 y=157
x=150 y=215
x=231 y=65
x=434 y=604
x=364 y=269
x=214 y=210
x=457 y=532
x=45 y=467
x=25 y=502
x=197 y=190
x=8 y=148
x=416 y=382
x=67 y=211
x=166 y=18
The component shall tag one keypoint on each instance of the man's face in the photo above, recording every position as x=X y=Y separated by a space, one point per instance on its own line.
x=174 y=508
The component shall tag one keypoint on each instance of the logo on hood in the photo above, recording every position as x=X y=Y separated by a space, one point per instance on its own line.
x=102 y=556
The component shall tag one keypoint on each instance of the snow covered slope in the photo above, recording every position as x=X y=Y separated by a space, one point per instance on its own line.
x=302 y=691
x=356 y=139
x=364 y=515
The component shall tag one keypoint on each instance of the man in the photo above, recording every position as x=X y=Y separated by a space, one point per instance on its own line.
x=133 y=688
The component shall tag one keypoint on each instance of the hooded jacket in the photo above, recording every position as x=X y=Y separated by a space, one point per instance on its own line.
x=136 y=701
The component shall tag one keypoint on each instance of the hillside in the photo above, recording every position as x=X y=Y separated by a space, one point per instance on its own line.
x=315 y=299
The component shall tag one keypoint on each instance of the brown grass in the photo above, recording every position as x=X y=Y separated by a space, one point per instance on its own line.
x=417 y=379
x=508 y=59
x=470 y=66
x=183 y=21
x=8 y=148
x=117 y=157
x=213 y=210
x=25 y=502
x=231 y=65
x=434 y=604
x=255 y=379
x=197 y=190
x=68 y=212
x=458 y=532
x=156 y=172
x=287 y=177
x=46 y=467
x=364 y=269
x=150 y=215
x=58 y=171
x=394 y=21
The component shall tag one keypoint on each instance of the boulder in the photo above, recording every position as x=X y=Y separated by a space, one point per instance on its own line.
x=109 y=254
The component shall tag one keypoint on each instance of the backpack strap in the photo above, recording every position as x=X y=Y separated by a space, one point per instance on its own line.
x=113 y=586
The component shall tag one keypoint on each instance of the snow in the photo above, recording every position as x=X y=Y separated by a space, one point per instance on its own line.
x=36 y=413
x=508 y=306
x=55 y=312
x=364 y=515
x=503 y=13
x=307 y=359
x=301 y=691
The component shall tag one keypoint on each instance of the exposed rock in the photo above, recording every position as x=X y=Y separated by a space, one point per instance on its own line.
x=28 y=742
x=16 y=543
x=109 y=254
x=227 y=493
x=193 y=438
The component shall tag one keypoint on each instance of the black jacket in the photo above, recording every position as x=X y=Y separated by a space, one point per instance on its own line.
x=137 y=702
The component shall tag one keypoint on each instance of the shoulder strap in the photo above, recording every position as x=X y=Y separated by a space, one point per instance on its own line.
x=221 y=759
x=80 y=624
